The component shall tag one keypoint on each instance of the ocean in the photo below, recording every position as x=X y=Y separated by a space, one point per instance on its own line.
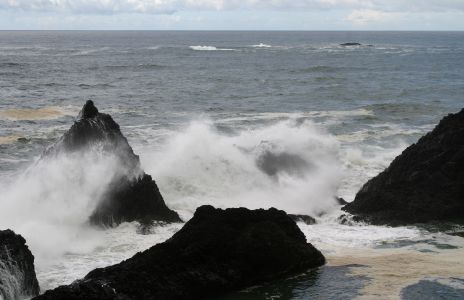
x=211 y=115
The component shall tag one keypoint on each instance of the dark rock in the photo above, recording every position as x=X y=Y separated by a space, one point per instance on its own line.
x=423 y=184
x=17 y=273
x=215 y=252
x=23 y=140
x=132 y=195
x=133 y=200
x=308 y=220
x=274 y=163
x=350 y=44
x=347 y=219
x=341 y=201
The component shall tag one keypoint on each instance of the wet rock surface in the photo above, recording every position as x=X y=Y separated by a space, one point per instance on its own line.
x=17 y=274
x=423 y=184
x=215 y=252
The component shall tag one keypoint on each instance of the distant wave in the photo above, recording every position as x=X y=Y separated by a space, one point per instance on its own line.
x=97 y=85
x=84 y=52
x=139 y=66
x=261 y=45
x=209 y=48
x=10 y=64
x=319 y=68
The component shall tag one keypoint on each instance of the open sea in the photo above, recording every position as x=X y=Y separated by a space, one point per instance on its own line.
x=254 y=119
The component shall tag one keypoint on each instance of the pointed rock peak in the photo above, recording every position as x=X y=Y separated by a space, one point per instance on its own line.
x=88 y=111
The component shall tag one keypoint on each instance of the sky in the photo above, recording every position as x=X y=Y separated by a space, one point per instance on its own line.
x=232 y=14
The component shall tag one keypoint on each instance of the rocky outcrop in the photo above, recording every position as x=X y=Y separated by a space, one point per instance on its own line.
x=215 y=252
x=17 y=273
x=132 y=195
x=425 y=183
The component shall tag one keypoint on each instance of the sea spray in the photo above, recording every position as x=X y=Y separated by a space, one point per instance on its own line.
x=202 y=165
x=50 y=203
x=11 y=278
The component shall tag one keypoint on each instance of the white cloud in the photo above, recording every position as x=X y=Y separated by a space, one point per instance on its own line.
x=91 y=6
x=367 y=10
x=365 y=16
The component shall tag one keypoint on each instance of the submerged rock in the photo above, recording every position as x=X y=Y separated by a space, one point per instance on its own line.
x=274 y=163
x=17 y=273
x=215 y=252
x=425 y=183
x=132 y=195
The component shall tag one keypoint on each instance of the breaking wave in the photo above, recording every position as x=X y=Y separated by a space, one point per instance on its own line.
x=209 y=48
x=288 y=165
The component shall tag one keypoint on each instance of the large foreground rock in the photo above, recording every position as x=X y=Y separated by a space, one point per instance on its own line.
x=132 y=195
x=17 y=273
x=215 y=252
x=425 y=183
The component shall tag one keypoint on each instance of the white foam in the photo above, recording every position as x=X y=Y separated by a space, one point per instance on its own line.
x=50 y=203
x=209 y=48
x=199 y=165
x=115 y=245
x=261 y=45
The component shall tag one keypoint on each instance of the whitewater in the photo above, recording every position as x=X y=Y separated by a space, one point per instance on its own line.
x=292 y=164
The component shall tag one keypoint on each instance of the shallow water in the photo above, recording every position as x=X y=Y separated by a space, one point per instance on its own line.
x=255 y=119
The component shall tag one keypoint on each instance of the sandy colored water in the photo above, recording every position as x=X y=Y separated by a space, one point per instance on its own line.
x=9 y=139
x=391 y=270
x=51 y=112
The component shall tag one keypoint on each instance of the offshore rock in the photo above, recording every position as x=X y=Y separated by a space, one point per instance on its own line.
x=132 y=195
x=350 y=44
x=215 y=252
x=423 y=184
x=17 y=274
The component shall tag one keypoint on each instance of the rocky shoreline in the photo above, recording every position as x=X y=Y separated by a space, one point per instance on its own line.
x=219 y=251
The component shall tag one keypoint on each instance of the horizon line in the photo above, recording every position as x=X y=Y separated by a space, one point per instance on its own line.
x=250 y=30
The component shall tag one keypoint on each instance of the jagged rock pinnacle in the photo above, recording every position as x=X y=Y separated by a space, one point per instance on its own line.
x=88 y=111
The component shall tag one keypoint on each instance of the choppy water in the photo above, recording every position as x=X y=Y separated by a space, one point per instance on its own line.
x=255 y=119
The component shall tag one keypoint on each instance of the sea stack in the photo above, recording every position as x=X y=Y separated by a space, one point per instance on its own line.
x=131 y=195
x=423 y=184
x=17 y=274
x=215 y=252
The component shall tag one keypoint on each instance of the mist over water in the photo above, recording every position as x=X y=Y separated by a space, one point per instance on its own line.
x=50 y=202
x=286 y=165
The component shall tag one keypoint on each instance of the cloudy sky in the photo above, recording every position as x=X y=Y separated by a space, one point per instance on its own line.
x=233 y=14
